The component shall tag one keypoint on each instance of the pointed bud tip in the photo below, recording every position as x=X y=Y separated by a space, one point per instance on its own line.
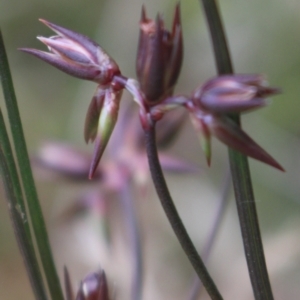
x=176 y=19
x=276 y=165
x=94 y=165
x=98 y=152
x=143 y=14
x=45 y=22
x=34 y=52
x=91 y=174
x=22 y=49
x=208 y=160
x=43 y=39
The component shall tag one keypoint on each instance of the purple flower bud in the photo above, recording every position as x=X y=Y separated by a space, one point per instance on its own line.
x=159 y=56
x=93 y=287
x=233 y=93
x=76 y=55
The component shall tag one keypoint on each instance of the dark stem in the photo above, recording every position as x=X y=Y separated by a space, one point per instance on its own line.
x=212 y=236
x=240 y=172
x=173 y=216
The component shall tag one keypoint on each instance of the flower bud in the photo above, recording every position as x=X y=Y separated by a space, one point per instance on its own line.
x=76 y=55
x=159 y=56
x=93 y=287
x=233 y=93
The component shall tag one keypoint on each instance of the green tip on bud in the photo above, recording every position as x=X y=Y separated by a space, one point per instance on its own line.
x=107 y=118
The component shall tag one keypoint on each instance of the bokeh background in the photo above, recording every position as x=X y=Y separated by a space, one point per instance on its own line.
x=264 y=37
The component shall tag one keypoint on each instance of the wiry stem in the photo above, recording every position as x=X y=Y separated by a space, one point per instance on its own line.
x=197 y=285
x=240 y=172
x=173 y=216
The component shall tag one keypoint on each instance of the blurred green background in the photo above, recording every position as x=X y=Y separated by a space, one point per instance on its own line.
x=264 y=37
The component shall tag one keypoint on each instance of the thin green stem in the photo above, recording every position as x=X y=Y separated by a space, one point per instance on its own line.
x=240 y=172
x=18 y=214
x=34 y=207
x=173 y=216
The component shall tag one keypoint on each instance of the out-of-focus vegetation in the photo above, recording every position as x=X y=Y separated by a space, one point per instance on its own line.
x=264 y=37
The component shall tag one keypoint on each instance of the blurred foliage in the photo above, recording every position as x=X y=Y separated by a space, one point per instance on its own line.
x=264 y=37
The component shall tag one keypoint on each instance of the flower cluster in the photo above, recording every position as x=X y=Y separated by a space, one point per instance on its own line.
x=79 y=56
x=159 y=59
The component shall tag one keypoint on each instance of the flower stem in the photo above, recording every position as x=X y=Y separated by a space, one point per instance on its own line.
x=173 y=216
x=34 y=207
x=240 y=172
x=18 y=216
x=212 y=236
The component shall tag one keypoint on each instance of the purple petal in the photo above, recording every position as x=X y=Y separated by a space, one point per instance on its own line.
x=87 y=72
x=152 y=79
x=236 y=80
x=91 y=46
x=233 y=136
x=175 y=61
x=64 y=47
x=213 y=104
x=141 y=53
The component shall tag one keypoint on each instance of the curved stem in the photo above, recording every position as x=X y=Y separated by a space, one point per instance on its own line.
x=173 y=216
x=240 y=172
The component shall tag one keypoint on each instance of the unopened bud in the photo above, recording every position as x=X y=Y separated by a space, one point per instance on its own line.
x=233 y=93
x=159 y=56
x=93 y=287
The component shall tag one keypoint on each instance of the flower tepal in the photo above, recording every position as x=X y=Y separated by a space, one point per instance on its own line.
x=76 y=55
